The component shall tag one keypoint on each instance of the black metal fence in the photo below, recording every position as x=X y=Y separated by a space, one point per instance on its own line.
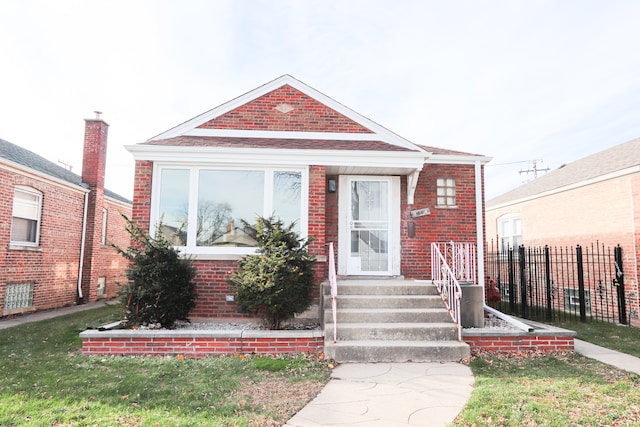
x=555 y=284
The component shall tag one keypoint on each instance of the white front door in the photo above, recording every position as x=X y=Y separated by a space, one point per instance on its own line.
x=369 y=227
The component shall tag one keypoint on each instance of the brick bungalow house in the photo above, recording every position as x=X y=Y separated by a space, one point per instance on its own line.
x=593 y=199
x=56 y=227
x=289 y=150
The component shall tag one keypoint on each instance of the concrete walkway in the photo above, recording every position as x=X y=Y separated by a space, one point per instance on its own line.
x=389 y=395
x=383 y=394
x=49 y=314
x=610 y=357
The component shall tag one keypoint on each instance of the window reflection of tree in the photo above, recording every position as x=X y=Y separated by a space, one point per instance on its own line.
x=289 y=181
x=212 y=222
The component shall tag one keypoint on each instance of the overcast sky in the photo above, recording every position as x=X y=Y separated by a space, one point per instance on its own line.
x=514 y=80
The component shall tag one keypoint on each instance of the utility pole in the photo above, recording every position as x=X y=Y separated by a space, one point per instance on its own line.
x=534 y=168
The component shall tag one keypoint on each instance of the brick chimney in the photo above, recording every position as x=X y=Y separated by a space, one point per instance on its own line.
x=94 y=160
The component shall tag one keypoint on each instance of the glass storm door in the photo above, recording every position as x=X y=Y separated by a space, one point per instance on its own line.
x=368 y=224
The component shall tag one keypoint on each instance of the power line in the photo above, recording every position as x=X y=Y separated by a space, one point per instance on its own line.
x=534 y=168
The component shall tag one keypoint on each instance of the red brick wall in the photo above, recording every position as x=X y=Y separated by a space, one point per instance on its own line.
x=53 y=267
x=521 y=343
x=108 y=263
x=307 y=115
x=443 y=224
x=143 y=181
x=196 y=347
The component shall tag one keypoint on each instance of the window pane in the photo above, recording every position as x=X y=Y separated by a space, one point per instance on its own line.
x=287 y=190
x=174 y=204
x=25 y=205
x=227 y=199
x=23 y=230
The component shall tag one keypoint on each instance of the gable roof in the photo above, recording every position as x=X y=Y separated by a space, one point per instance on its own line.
x=30 y=160
x=612 y=162
x=285 y=108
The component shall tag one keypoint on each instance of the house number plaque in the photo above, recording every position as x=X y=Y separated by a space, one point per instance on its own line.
x=420 y=212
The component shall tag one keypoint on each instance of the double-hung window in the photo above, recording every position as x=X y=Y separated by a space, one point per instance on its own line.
x=212 y=210
x=509 y=232
x=25 y=221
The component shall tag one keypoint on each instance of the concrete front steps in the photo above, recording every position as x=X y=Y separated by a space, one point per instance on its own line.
x=390 y=320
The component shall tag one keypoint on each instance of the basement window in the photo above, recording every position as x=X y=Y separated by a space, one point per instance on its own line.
x=18 y=297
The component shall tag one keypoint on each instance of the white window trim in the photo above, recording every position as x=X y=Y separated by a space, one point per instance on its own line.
x=191 y=248
x=510 y=217
x=446 y=197
x=32 y=191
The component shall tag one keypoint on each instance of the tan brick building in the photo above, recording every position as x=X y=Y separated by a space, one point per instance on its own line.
x=592 y=200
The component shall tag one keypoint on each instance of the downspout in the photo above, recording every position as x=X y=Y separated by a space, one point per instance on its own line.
x=82 y=243
x=480 y=227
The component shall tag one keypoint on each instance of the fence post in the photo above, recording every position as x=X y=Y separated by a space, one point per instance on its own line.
x=523 y=282
x=619 y=281
x=547 y=272
x=512 y=288
x=582 y=300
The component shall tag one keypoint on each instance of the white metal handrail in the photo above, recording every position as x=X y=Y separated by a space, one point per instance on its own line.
x=334 y=290
x=461 y=257
x=447 y=284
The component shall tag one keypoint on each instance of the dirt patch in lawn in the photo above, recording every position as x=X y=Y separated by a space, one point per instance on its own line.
x=280 y=399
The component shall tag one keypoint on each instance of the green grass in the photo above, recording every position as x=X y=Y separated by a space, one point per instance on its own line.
x=45 y=381
x=611 y=335
x=550 y=390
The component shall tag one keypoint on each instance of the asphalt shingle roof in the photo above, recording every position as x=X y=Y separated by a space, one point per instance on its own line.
x=611 y=160
x=29 y=159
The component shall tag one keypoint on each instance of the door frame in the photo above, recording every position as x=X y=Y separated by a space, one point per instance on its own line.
x=344 y=197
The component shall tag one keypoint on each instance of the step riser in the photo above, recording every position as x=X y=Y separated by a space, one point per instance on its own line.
x=390 y=321
x=435 y=316
x=349 y=301
x=393 y=334
x=384 y=290
x=397 y=354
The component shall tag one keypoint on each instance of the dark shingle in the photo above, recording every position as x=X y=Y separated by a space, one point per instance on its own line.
x=38 y=163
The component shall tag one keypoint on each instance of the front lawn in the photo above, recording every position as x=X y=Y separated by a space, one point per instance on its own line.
x=550 y=390
x=47 y=382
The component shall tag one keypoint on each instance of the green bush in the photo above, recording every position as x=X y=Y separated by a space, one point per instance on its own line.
x=277 y=281
x=159 y=287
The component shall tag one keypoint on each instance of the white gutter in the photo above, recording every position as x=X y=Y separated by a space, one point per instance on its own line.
x=480 y=226
x=82 y=243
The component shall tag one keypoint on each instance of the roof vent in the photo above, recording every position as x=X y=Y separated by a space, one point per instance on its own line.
x=284 y=108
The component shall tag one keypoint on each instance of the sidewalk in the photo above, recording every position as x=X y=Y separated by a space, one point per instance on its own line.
x=389 y=395
x=49 y=314
x=622 y=361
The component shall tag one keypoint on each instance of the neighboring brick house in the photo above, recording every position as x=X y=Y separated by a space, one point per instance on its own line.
x=593 y=199
x=289 y=150
x=56 y=228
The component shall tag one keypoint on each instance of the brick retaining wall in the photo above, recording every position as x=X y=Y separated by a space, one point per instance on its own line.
x=197 y=344
x=545 y=343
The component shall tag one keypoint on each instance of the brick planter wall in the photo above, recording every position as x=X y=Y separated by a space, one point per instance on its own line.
x=545 y=343
x=545 y=338
x=198 y=344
